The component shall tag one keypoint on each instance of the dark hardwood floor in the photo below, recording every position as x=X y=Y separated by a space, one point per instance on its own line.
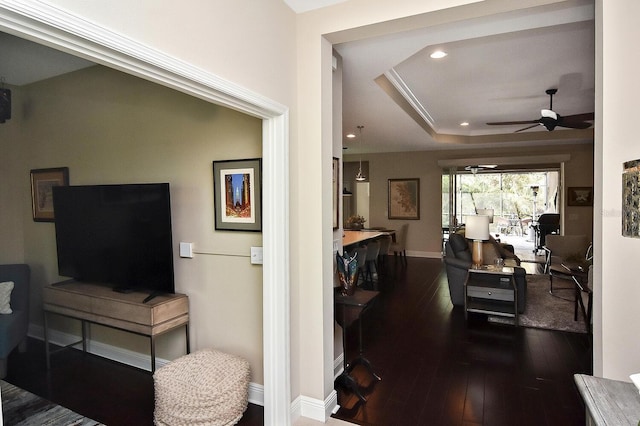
x=436 y=368
x=107 y=391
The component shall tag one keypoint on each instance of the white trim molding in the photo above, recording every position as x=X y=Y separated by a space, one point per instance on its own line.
x=124 y=356
x=54 y=27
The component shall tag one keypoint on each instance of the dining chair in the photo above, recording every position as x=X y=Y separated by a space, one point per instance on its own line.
x=373 y=248
x=385 y=244
x=399 y=246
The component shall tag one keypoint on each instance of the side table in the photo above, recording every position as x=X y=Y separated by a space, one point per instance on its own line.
x=491 y=290
x=347 y=310
x=608 y=402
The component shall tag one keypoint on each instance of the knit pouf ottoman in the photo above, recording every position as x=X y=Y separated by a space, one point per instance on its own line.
x=206 y=387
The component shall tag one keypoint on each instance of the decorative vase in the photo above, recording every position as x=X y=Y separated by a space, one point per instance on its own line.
x=347 y=271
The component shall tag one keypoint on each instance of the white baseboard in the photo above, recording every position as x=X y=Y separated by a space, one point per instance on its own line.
x=427 y=254
x=315 y=409
x=134 y=359
x=338 y=366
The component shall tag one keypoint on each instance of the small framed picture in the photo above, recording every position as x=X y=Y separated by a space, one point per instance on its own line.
x=42 y=182
x=336 y=192
x=579 y=196
x=237 y=191
x=404 y=199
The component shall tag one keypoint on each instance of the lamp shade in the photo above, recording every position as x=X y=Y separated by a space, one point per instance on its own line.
x=477 y=227
x=486 y=212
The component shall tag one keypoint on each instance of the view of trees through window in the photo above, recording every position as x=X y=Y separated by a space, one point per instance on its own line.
x=517 y=198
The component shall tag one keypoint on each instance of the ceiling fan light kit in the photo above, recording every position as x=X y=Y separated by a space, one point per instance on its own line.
x=476 y=168
x=550 y=119
x=359 y=176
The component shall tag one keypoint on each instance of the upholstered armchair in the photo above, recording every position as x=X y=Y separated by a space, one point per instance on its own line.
x=565 y=252
x=457 y=261
x=14 y=310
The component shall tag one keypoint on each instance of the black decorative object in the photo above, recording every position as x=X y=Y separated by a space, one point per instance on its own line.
x=5 y=105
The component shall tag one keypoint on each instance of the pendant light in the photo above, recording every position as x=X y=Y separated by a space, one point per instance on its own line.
x=360 y=177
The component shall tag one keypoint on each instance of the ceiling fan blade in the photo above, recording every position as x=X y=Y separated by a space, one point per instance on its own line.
x=576 y=121
x=509 y=123
x=575 y=125
x=527 y=128
x=587 y=116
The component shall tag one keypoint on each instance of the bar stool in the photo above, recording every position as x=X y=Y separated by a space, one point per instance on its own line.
x=373 y=248
x=385 y=243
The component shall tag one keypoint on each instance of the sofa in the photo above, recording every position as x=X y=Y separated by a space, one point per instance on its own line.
x=457 y=260
x=14 y=310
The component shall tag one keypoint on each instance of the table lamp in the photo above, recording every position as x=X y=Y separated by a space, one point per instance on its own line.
x=486 y=212
x=477 y=229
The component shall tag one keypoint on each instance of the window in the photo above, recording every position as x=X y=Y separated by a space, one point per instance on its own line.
x=517 y=198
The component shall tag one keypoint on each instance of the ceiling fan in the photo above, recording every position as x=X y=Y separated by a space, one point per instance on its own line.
x=476 y=168
x=550 y=119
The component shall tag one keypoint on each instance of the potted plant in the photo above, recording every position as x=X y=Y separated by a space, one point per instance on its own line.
x=356 y=222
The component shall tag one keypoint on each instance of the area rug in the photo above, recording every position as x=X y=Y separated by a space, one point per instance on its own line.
x=20 y=407
x=552 y=312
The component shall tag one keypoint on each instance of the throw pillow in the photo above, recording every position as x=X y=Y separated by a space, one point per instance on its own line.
x=5 y=297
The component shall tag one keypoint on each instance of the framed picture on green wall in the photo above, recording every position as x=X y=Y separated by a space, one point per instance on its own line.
x=42 y=183
x=237 y=190
x=404 y=199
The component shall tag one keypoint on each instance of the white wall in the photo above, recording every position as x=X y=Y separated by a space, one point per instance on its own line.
x=618 y=290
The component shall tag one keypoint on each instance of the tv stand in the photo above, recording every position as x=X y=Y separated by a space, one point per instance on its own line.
x=151 y=296
x=123 y=290
x=99 y=304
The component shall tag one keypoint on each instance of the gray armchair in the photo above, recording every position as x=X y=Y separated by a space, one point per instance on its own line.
x=457 y=262
x=13 y=327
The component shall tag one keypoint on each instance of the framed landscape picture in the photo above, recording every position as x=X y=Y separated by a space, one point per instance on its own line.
x=404 y=199
x=42 y=183
x=237 y=190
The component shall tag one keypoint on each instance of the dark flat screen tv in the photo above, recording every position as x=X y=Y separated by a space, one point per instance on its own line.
x=117 y=235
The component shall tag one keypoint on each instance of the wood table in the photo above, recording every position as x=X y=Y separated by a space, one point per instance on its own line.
x=99 y=304
x=609 y=402
x=352 y=238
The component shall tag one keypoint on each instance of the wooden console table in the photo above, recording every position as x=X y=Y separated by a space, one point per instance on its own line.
x=99 y=304
x=608 y=402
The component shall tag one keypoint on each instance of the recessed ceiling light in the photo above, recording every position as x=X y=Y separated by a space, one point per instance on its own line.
x=351 y=135
x=464 y=123
x=438 y=54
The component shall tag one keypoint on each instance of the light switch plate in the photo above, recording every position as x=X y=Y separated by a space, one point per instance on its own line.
x=256 y=255
x=186 y=250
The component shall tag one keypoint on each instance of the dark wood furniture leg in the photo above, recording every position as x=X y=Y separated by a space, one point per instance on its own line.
x=357 y=304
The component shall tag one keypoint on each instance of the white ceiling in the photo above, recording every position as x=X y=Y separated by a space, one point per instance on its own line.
x=301 y=6
x=497 y=69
